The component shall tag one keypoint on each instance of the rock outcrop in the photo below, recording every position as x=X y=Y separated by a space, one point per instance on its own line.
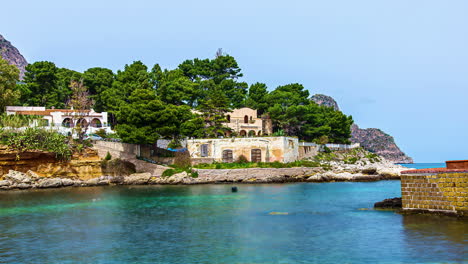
x=46 y=165
x=371 y=139
x=392 y=203
x=325 y=100
x=11 y=54
x=380 y=143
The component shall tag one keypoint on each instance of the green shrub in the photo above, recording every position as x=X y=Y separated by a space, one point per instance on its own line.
x=168 y=172
x=101 y=132
x=242 y=159
x=37 y=139
x=108 y=156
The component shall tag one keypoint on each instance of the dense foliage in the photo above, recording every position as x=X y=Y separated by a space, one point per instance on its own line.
x=36 y=139
x=9 y=75
x=148 y=104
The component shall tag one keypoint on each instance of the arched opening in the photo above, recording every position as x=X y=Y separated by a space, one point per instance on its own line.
x=251 y=133
x=81 y=122
x=246 y=119
x=96 y=123
x=67 y=122
x=243 y=133
x=227 y=134
x=256 y=155
x=251 y=118
x=228 y=117
x=227 y=156
x=259 y=133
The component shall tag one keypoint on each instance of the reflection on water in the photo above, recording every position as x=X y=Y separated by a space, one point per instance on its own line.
x=210 y=224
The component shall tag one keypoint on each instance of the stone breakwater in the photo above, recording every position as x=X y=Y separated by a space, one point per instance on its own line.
x=28 y=180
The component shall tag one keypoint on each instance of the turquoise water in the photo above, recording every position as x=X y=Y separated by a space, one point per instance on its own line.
x=210 y=224
x=424 y=165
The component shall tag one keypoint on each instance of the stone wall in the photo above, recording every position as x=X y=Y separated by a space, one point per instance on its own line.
x=435 y=192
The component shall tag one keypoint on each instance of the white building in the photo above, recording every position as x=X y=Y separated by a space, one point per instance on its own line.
x=63 y=120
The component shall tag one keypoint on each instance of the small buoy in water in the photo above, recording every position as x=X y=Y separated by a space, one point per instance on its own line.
x=234 y=189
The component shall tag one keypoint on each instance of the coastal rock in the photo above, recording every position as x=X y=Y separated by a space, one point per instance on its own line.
x=138 y=178
x=392 y=203
x=5 y=183
x=371 y=139
x=67 y=182
x=49 y=183
x=23 y=186
x=18 y=177
x=32 y=175
x=389 y=173
x=380 y=143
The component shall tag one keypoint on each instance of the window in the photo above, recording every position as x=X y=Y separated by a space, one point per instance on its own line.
x=256 y=155
x=228 y=117
x=246 y=119
x=204 y=150
x=227 y=156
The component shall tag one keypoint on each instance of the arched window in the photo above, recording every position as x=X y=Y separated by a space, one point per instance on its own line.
x=67 y=122
x=246 y=119
x=81 y=122
x=96 y=123
x=243 y=133
x=228 y=117
x=227 y=156
x=256 y=155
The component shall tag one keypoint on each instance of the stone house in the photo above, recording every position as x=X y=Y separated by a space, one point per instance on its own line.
x=254 y=149
x=245 y=122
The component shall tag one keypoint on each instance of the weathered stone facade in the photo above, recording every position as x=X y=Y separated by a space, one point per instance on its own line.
x=445 y=192
x=244 y=122
x=260 y=149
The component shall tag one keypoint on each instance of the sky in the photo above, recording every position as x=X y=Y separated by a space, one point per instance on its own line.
x=401 y=66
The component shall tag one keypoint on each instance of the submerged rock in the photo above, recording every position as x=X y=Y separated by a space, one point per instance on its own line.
x=392 y=203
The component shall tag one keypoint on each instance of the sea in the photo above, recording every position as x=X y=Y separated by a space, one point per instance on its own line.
x=260 y=223
x=423 y=165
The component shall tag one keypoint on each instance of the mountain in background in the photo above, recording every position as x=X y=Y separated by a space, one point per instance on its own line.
x=371 y=139
x=11 y=54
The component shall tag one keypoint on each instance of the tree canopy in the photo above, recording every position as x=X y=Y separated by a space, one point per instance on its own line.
x=9 y=75
x=191 y=100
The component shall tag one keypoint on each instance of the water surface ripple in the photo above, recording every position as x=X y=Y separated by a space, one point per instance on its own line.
x=311 y=223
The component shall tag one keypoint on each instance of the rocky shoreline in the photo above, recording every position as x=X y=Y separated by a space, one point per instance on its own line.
x=30 y=180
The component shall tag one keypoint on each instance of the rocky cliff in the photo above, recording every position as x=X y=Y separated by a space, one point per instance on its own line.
x=12 y=55
x=379 y=142
x=325 y=100
x=371 y=139
x=46 y=165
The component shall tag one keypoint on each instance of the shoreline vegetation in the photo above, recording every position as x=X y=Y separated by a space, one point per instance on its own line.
x=351 y=165
x=190 y=101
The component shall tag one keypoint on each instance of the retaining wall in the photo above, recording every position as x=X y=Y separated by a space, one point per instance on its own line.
x=445 y=192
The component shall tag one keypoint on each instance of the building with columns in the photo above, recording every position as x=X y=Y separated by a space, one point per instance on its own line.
x=64 y=120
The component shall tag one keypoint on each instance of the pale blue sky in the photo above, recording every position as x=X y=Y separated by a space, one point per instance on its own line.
x=398 y=65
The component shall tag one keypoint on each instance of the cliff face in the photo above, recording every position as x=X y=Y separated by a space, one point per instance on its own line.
x=371 y=139
x=379 y=142
x=11 y=54
x=45 y=164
